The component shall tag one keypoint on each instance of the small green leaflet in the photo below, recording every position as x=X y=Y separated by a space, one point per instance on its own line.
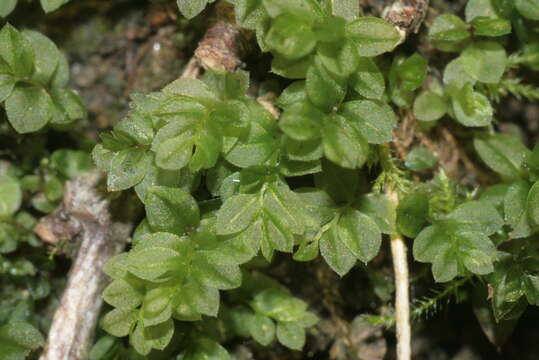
x=460 y=242
x=271 y=216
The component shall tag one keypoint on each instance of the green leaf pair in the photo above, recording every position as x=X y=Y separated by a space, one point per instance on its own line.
x=191 y=8
x=515 y=283
x=33 y=88
x=184 y=129
x=18 y=339
x=33 y=79
x=405 y=75
x=518 y=166
x=269 y=219
x=342 y=235
x=459 y=242
x=7 y=6
x=301 y=34
x=164 y=277
x=10 y=195
x=483 y=62
x=483 y=18
x=341 y=130
x=273 y=313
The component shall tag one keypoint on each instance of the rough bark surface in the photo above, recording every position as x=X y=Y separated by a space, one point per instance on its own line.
x=220 y=49
x=84 y=214
x=406 y=15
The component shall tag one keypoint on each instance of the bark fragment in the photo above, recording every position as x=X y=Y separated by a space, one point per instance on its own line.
x=84 y=214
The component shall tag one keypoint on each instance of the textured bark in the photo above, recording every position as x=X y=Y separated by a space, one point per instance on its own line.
x=406 y=15
x=84 y=215
x=220 y=49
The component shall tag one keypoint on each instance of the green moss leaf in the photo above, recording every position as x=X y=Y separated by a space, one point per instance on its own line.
x=472 y=108
x=204 y=348
x=341 y=59
x=448 y=27
x=429 y=106
x=460 y=245
x=485 y=61
x=16 y=51
x=249 y=13
x=18 y=339
x=127 y=168
x=279 y=305
x=10 y=195
x=237 y=213
x=203 y=299
x=302 y=121
x=420 y=158
x=343 y=143
x=215 y=275
x=491 y=27
x=412 y=214
x=171 y=210
x=291 y=36
x=119 y=322
x=336 y=253
x=380 y=209
x=191 y=8
x=152 y=263
x=373 y=36
x=51 y=5
x=122 y=295
x=368 y=80
x=360 y=234
x=262 y=329
x=324 y=91
x=49 y=56
x=515 y=206
x=533 y=204
x=7 y=84
x=291 y=335
x=502 y=153
x=374 y=120
x=476 y=216
x=528 y=8
x=29 y=108
x=157 y=306
x=6 y=7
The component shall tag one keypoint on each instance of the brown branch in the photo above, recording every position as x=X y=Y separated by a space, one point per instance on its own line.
x=221 y=48
x=406 y=15
x=192 y=69
x=84 y=214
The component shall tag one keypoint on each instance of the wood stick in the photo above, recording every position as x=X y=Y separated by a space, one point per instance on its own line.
x=402 y=290
x=84 y=214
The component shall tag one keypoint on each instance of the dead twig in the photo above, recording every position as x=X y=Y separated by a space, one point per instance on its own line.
x=399 y=254
x=406 y=15
x=84 y=214
x=220 y=49
x=192 y=69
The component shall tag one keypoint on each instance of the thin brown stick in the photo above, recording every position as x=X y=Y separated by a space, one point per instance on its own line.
x=84 y=214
